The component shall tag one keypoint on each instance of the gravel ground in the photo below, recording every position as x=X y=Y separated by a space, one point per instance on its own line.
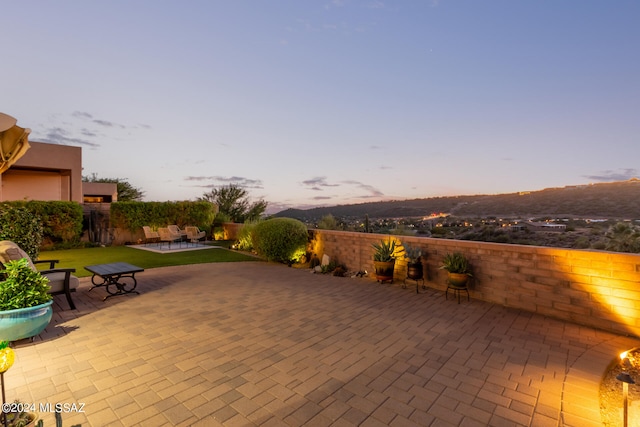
x=611 y=395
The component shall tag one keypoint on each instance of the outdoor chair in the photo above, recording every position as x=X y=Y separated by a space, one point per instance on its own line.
x=176 y=230
x=61 y=280
x=194 y=235
x=167 y=236
x=150 y=236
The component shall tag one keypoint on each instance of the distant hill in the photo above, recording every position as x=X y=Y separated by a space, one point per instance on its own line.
x=615 y=200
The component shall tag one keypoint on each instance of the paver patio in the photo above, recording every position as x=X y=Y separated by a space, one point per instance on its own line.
x=243 y=344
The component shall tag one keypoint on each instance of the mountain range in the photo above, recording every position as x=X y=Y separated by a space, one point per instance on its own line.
x=613 y=200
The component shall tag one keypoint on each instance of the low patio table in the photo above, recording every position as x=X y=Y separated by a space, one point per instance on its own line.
x=118 y=278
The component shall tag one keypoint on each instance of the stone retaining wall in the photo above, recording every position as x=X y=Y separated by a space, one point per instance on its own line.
x=593 y=288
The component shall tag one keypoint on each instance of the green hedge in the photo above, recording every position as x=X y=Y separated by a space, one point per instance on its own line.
x=21 y=227
x=61 y=221
x=133 y=215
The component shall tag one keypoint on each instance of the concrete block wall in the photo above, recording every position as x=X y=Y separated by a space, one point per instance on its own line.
x=593 y=288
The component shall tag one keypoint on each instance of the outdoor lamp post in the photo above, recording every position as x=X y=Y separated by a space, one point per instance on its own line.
x=626 y=379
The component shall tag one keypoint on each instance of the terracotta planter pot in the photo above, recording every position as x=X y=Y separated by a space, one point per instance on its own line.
x=458 y=280
x=384 y=270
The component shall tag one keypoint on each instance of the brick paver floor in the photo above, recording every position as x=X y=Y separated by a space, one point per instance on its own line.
x=243 y=344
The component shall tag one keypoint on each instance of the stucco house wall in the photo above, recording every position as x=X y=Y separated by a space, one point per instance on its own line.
x=45 y=172
x=100 y=192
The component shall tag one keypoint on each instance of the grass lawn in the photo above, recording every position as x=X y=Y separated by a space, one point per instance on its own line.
x=78 y=258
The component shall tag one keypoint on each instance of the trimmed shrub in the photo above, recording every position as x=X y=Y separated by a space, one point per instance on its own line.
x=22 y=227
x=133 y=215
x=245 y=241
x=281 y=239
x=60 y=221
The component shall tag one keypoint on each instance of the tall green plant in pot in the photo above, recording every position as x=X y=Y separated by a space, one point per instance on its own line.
x=458 y=268
x=384 y=259
x=25 y=302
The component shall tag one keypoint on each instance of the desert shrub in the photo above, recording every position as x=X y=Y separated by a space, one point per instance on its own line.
x=218 y=233
x=328 y=222
x=439 y=231
x=335 y=268
x=502 y=238
x=281 y=239
x=245 y=239
x=22 y=227
x=582 y=242
x=401 y=230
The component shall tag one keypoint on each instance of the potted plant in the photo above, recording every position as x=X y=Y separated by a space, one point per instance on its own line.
x=13 y=414
x=384 y=259
x=414 y=264
x=17 y=416
x=458 y=269
x=25 y=302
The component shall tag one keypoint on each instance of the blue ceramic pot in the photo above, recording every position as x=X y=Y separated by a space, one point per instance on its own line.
x=25 y=322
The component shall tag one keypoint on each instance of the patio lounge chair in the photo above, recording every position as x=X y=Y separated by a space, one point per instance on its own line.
x=60 y=279
x=167 y=236
x=149 y=235
x=176 y=230
x=194 y=234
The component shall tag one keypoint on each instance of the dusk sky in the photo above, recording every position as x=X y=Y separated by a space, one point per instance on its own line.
x=315 y=103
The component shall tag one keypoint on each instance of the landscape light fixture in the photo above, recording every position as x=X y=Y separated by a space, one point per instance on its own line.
x=626 y=379
x=7 y=356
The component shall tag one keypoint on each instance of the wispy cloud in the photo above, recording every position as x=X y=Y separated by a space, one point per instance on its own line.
x=318 y=183
x=216 y=181
x=81 y=129
x=82 y=115
x=108 y=124
x=60 y=136
x=369 y=189
x=87 y=132
x=609 y=175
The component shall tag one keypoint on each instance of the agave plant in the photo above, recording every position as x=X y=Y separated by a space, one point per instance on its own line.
x=456 y=262
x=386 y=251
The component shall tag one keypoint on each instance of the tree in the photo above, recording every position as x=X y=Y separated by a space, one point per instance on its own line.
x=126 y=191
x=623 y=237
x=233 y=202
